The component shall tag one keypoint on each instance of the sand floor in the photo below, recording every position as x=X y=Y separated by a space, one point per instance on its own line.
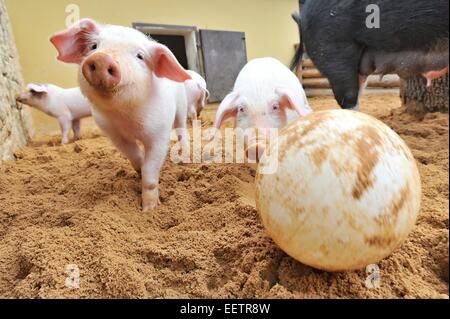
x=80 y=204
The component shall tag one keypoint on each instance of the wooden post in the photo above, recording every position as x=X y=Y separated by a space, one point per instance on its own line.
x=420 y=99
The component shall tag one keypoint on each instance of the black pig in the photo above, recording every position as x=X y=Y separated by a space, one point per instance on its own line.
x=412 y=39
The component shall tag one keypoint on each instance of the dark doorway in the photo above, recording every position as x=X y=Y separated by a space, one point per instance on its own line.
x=176 y=44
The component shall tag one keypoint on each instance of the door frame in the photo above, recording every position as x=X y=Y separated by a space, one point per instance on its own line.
x=191 y=38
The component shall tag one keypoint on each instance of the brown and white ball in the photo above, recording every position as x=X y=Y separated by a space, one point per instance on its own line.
x=346 y=192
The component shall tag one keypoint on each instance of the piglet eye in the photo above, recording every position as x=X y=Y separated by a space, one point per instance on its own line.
x=140 y=56
x=94 y=46
x=275 y=107
x=241 y=109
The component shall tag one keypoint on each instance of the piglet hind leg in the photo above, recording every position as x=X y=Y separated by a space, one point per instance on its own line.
x=155 y=155
x=192 y=113
x=76 y=126
x=182 y=132
x=201 y=103
x=65 y=123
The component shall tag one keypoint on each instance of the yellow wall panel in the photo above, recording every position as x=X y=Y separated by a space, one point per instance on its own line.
x=269 y=28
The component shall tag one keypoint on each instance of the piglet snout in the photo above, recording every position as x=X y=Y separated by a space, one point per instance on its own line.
x=102 y=71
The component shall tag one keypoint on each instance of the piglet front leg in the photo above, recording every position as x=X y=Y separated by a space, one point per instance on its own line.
x=126 y=145
x=155 y=154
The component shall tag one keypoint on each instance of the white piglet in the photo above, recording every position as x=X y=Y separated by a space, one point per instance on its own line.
x=68 y=106
x=197 y=94
x=266 y=95
x=137 y=90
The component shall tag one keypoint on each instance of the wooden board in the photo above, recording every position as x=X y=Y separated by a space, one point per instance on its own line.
x=224 y=56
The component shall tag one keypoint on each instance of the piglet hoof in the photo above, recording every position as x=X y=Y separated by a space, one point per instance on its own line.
x=150 y=200
x=211 y=134
x=138 y=171
x=137 y=167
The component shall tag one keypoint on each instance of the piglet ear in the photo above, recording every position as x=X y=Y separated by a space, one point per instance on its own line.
x=37 y=88
x=227 y=109
x=72 y=44
x=165 y=65
x=294 y=100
